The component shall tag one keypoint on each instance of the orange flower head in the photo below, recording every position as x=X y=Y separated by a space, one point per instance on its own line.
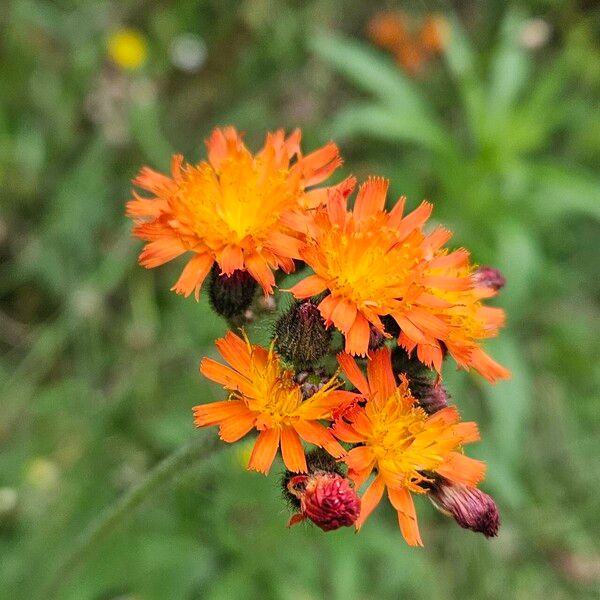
x=374 y=263
x=264 y=396
x=229 y=209
x=399 y=440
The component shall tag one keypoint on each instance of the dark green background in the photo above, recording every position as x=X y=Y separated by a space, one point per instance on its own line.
x=99 y=360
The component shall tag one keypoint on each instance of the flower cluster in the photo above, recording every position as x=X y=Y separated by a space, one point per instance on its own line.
x=403 y=302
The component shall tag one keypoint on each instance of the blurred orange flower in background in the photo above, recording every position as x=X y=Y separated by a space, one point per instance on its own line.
x=413 y=43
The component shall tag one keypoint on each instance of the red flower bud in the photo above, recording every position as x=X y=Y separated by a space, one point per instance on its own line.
x=327 y=499
x=470 y=507
x=489 y=277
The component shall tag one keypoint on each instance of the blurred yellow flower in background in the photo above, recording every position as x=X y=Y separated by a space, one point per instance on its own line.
x=128 y=48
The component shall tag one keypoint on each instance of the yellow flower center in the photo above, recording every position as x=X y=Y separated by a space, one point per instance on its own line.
x=238 y=205
x=366 y=267
x=403 y=442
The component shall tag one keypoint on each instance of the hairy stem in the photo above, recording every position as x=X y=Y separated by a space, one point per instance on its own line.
x=195 y=451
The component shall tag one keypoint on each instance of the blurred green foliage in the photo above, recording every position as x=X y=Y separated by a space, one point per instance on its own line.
x=99 y=360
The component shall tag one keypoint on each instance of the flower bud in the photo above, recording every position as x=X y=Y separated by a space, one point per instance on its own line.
x=311 y=382
x=431 y=395
x=376 y=338
x=470 y=507
x=231 y=295
x=327 y=499
x=489 y=277
x=301 y=335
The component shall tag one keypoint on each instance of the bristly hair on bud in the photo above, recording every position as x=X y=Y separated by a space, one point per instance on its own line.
x=489 y=277
x=430 y=394
x=231 y=295
x=325 y=495
x=470 y=507
x=301 y=336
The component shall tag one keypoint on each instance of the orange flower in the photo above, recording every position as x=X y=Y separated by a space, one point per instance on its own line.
x=399 y=440
x=265 y=397
x=229 y=209
x=375 y=263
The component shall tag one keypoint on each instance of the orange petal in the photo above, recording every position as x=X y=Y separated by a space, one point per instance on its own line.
x=260 y=270
x=346 y=432
x=153 y=181
x=336 y=208
x=437 y=238
x=360 y=458
x=353 y=373
x=455 y=259
x=314 y=433
x=462 y=469
x=381 y=376
x=326 y=307
x=370 y=199
x=310 y=286
x=428 y=323
x=226 y=376
x=488 y=367
x=292 y=451
x=231 y=259
x=320 y=164
x=468 y=432
x=193 y=275
x=344 y=315
x=213 y=413
x=284 y=245
x=370 y=500
x=410 y=329
x=431 y=354
x=414 y=220
x=234 y=428
x=161 y=251
x=395 y=215
x=357 y=338
x=445 y=416
x=402 y=501
x=456 y=284
x=235 y=351
x=264 y=451
x=320 y=196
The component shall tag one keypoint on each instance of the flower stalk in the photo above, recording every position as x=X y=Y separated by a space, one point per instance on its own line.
x=198 y=450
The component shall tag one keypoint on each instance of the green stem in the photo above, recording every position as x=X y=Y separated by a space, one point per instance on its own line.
x=197 y=450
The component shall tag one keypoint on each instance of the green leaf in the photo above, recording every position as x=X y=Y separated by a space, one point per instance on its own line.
x=510 y=71
x=377 y=74
x=384 y=123
x=560 y=190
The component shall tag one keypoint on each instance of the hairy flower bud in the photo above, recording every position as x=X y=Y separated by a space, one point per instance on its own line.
x=324 y=495
x=431 y=395
x=327 y=499
x=301 y=335
x=489 y=277
x=470 y=507
x=231 y=295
